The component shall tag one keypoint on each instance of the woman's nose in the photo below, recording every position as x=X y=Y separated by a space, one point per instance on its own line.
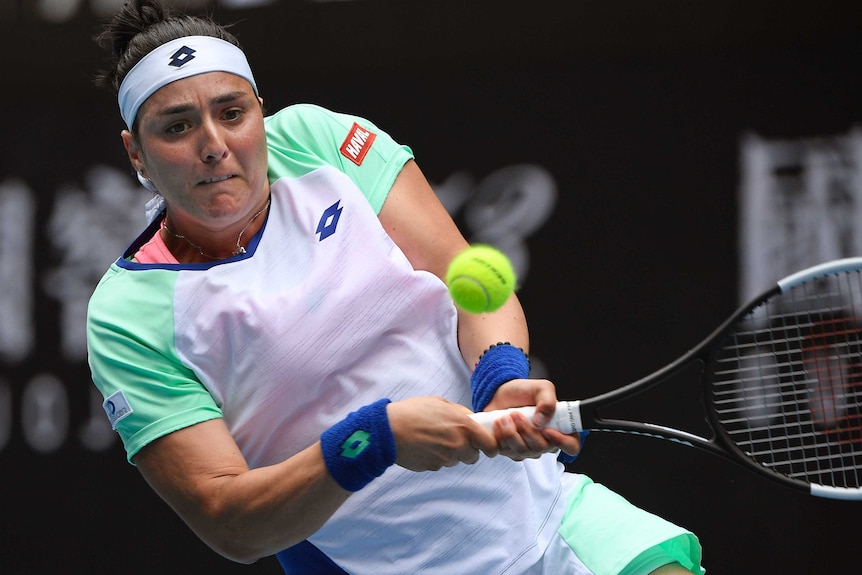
x=213 y=146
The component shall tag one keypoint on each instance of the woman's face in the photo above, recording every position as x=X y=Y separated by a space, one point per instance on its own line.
x=201 y=141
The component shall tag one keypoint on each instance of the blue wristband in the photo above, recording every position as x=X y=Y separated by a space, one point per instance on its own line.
x=360 y=447
x=564 y=457
x=502 y=362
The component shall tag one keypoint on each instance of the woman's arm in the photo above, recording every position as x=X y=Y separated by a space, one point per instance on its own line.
x=245 y=514
x=242 y=514
x=416 y=220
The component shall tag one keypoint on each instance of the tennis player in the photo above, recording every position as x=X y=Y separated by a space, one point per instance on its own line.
x=282 y=360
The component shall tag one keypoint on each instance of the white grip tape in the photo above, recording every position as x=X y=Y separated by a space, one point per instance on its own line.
x=566 y=418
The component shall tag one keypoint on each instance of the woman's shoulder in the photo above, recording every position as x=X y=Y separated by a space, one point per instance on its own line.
x=299 y=116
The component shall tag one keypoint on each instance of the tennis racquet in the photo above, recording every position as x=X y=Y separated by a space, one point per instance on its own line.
x=780 y=385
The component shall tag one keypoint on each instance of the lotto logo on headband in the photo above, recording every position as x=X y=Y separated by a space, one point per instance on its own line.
x=182 y=56
x=150 y=73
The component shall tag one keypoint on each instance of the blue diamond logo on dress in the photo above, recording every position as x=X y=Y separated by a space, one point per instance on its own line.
x=329 y=220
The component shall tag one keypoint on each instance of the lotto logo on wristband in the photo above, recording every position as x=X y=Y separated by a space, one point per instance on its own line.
x=359 y=447
x=354 y=445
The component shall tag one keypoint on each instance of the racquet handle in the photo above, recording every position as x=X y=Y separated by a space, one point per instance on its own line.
x=566 y=418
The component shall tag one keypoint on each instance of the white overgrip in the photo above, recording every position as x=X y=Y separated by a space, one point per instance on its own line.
x=566 y=418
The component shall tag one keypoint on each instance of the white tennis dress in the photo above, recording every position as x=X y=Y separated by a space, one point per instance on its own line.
x=323 y=315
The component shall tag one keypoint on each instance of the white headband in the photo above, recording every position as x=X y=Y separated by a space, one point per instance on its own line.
x=174 y=61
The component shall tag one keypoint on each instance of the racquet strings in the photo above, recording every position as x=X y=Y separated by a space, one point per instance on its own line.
x=787 y=382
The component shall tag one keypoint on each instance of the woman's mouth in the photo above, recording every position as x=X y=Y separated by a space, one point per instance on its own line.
x=216 y=179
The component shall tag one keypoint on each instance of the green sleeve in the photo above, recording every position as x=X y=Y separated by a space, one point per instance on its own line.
x=305 y=137
x=132 y=358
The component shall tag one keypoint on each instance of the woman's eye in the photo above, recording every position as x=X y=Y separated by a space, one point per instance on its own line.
x=176 y=128
x=232 y=115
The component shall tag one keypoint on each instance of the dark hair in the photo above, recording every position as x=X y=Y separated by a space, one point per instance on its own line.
x=140 y=27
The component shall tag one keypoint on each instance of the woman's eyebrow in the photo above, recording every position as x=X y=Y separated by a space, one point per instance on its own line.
x=185 y=107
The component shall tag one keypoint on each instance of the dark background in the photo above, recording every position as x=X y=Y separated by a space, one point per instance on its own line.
x=635 y=108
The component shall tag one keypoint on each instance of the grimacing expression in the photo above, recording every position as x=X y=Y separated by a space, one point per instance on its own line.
x=201 y=141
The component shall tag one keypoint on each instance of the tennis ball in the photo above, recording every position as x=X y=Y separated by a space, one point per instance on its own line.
x=480 y=279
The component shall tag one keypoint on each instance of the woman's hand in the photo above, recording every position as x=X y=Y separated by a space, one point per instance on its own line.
x=431 y=432
x=520 y=438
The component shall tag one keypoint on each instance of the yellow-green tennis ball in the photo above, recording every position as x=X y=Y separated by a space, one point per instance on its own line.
x=480 y=279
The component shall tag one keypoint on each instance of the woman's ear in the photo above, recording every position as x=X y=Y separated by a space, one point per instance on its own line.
x=133 y=150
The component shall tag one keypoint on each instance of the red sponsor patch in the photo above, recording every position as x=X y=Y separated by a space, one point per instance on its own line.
x=357 y=143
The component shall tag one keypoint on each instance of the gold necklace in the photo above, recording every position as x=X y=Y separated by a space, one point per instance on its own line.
x=237 y=251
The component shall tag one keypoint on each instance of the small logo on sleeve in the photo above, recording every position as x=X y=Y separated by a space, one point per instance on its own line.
x=117 y=408
x=357 y=143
